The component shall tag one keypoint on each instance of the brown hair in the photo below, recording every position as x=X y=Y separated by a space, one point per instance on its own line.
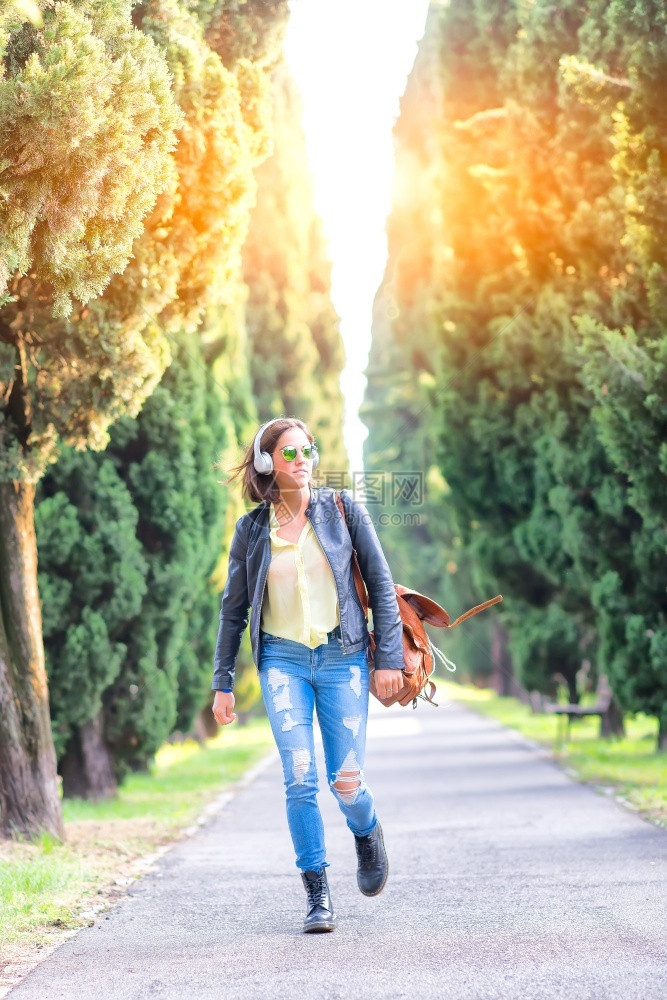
x=261 y=486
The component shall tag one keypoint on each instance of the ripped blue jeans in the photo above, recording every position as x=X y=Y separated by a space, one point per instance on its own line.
x=294 y=680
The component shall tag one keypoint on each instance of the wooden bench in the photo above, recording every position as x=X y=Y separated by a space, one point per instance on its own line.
x=611 y=717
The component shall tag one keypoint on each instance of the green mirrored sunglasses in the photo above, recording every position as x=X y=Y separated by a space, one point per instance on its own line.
x=290 y=451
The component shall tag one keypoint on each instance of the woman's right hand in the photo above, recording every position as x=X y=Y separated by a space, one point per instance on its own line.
x=223 y=703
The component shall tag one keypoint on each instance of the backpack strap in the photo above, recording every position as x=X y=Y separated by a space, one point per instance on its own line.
x=359 y=584
x=476 y=610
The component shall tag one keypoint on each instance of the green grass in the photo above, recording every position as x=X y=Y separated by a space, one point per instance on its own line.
x=46 y=886
x=630 y=765
x=182 y=778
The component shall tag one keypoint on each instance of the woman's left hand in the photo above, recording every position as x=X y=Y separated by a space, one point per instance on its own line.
x=388 y=682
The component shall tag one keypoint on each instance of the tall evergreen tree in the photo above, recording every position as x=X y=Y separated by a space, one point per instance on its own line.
x=625 y=356
x=127 y=588
x=80 y=173
x=90 y=185
x=165 y=629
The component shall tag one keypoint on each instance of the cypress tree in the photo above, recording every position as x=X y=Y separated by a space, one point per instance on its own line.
x=625 y=355
x=146 y=518
x=81 y=170
x=184 y=218
x=166 y=457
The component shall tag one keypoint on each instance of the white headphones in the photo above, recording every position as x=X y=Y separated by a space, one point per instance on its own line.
x=263 y=461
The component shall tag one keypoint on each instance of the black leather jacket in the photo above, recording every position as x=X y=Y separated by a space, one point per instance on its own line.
x=249 y=559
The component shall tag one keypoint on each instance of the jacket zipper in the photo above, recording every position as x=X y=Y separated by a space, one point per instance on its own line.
x=342 y=643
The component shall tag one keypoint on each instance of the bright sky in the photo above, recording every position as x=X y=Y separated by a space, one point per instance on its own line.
x=350 y=59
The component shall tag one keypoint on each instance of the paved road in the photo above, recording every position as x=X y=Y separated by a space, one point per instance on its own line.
x=506 y=880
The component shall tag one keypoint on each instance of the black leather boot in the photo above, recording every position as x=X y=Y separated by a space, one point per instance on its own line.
x=320 y=916
x=373 y=867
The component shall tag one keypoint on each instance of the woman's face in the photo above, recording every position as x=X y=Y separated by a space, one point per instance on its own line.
x=294 y=475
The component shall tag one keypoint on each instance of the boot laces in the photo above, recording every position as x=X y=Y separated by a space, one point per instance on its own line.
x=368 y=849
x=317 y=890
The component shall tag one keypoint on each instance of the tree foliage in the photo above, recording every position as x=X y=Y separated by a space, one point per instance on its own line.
x=73 y=169
x=145 y=577
x=81 y=95
x=128 y=150
x=527 y=254
x=74 y=165
x=132 y=579
x=128 y=541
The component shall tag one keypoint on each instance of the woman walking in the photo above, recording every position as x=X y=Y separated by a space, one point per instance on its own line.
x=291 y=560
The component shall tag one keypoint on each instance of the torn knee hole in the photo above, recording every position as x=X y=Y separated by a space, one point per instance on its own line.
x=347 y=781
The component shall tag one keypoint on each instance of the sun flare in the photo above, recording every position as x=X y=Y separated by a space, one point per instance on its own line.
x=351 y=59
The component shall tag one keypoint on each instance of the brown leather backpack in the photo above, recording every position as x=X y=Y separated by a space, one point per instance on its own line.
x=418 y=650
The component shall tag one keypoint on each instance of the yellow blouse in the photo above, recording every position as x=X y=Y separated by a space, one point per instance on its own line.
x=300 y=600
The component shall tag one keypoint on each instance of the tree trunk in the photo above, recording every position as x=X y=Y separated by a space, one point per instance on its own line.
x=611 y=722
x=662 y=732
x=503 y=672
x=573 y=693
x=29 y=799
x=205 y=728
x=86 y=766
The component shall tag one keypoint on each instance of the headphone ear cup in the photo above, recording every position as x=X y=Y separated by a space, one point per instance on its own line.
x=264 y=464
x=316 y=459
x=262 y=460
